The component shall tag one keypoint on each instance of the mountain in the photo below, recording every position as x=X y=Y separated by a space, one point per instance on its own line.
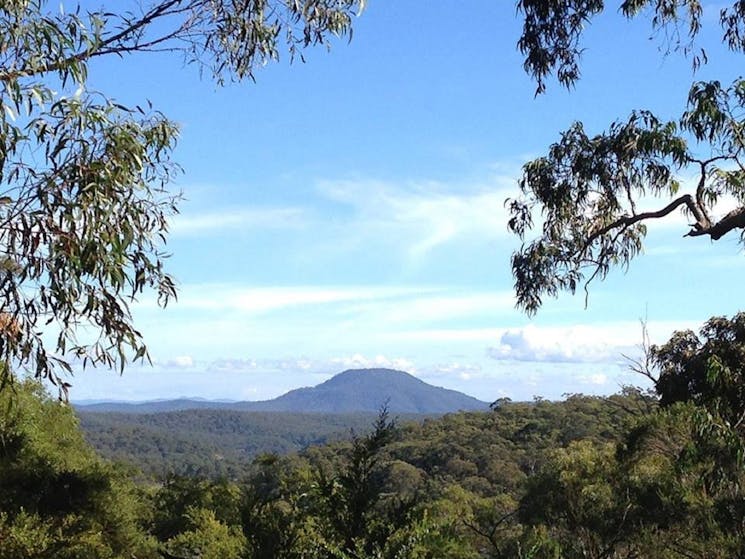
x=161 y=406
x=367 y=390
x=352 y=391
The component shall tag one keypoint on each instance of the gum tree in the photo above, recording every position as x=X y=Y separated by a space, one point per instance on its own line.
x=583 y=206
x=84 y=181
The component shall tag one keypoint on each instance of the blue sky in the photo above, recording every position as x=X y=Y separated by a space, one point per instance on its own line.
x=348 y=212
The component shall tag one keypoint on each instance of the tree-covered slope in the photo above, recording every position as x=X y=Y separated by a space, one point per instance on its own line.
x=509 y=441
x=367 y=390
x=352 y=391
x=210 y=442
x=588 y=477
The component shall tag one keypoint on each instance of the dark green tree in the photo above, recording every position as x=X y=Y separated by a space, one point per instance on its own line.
x=683 y=473
x=57 y=498
x=578 y=498
x=179 y=496
x=349 y=495
x=585 y=196
x=274 y=507
x=707 y=369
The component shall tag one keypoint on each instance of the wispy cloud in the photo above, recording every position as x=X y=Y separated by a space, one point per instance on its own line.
x=237 y=365
x=359 y=361
x=382 y=308
x=423 y=216
x=424 y=307
x=453 y=370
x=261 y=299
x=179 y=362
x=231 y=218
x=439 y=335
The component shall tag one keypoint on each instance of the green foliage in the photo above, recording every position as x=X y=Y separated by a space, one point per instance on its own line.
x=206 y=538
x=671 y=488
x=552 y=31
x=176 y=500
x=82 y=235
x=587 y=477
x=84 y=197
x=349 y=496
x=274 y=507
x=577 y=497
x=446 y=487
x=707 y=369
x=585 y=196
x=57 y=499
x=211 y=443
x=23 y=536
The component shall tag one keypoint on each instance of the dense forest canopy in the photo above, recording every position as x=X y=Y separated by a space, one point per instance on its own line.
x=426 y=489
x=619 y=476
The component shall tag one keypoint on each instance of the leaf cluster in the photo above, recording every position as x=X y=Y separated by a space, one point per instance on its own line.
x=85 y=197
x=591 y=198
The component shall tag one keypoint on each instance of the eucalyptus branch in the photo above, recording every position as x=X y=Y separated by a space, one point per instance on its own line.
x=97 y=48
x=629 y=220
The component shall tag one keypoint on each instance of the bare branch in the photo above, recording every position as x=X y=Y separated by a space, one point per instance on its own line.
x=733 y=220
x=700 y=190
x=643 y=365
x=491 y=534
x=629 y=220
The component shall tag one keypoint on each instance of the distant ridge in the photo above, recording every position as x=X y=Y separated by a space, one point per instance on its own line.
x=369 y=389
x=354 y=390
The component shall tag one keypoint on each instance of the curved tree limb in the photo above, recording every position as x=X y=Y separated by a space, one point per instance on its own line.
x=702 y=226
x=629 y=220
x=733 y=220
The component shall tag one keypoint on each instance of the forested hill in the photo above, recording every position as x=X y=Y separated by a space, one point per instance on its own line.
x=619 y=476
x=216 y=443
x=209 y=442
x=352 y=391
x=367 y=390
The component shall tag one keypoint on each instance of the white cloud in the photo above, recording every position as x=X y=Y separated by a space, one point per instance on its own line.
x=417 y=217
x=423 y=307
x=237 y=218
x=358 y=361
x=486 y=335
x=425 y=215
x=441 y=307
x=251 y=299
x=602 y=343
x=460 y=370
x=233 y=365
x=576 y=344
x=380 y=311
x=311 y=366
x=179 y=362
